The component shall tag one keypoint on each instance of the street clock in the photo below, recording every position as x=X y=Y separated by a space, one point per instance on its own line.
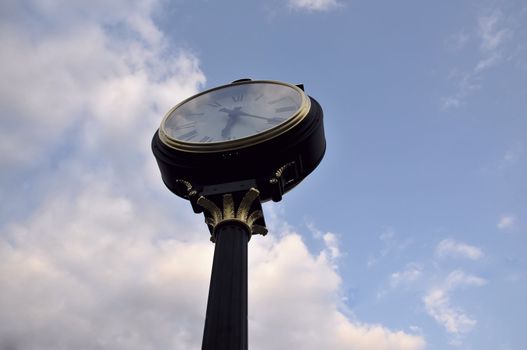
x=251 y=133
x=226 y=150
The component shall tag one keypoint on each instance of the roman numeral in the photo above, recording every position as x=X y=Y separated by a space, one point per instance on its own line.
x=186 y=126
x=258 y=97
x=237 y=98
x=189 y=135
x=190 y=114
x=214 y=104
x=278 y=100
x=275 y=120
x=286 y=109
x=206 y=139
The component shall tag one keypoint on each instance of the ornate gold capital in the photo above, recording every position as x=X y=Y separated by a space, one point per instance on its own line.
x=248 y=212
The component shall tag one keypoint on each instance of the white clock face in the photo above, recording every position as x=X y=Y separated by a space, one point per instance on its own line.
x=233 y=112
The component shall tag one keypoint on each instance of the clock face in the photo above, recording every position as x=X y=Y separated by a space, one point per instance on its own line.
x=233 y=112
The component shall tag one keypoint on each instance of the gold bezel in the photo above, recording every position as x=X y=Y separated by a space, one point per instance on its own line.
x=273 y=132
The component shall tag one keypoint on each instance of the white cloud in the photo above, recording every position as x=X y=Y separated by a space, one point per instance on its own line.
x=453 y=248
x=506 y=222
x=487 y=62
x=511 y=156
x=95 y=269
x=391 y=245
x=438 y=303
x=439 y=306
x=331 y=242
x=513 y=153
x=458 y=41
x=492 y=34
x=404 y=279
x=466 y=85
x=387 y=235
x=457 y=279
x=411 y=273
x=103 y=65
x=314 y=5
x=491 y=31
x=450 y=102
x=94 y=264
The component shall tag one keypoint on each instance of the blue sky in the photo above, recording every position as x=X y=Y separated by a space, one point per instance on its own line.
x=410 y=234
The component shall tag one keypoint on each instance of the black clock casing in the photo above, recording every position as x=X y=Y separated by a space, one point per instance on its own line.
x=273 y=166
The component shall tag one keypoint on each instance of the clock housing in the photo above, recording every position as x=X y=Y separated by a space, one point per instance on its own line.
x=273 y=160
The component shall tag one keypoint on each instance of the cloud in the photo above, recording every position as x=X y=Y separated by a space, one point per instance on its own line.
x=492 y=34
x=91 y=261
x=305 y=314
x=458 y=41
x=453 y=248
x=89 y=96
x=450 y=101
x=96 y=270
x=403 y=279
x=487 y=62
x=105 y=66
x=391 y=245
x=457 y=279
x=411 y=273
x=93 y=269
x=513 y=154
x=491 y=31
x=510 y=158
x=506 y=222
x=314 y=5
x=438 y=304
x=466 y=85
x=331 y=242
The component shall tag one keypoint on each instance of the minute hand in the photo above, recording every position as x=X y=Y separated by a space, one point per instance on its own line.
x=241 y=113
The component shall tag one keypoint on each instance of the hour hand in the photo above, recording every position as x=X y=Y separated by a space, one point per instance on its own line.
x=226 y=131
x=235 y=111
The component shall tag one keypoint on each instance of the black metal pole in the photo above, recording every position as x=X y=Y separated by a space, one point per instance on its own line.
x=226 y=318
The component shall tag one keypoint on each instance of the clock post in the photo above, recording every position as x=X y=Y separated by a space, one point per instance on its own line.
x=231 y=227
x=227 y=150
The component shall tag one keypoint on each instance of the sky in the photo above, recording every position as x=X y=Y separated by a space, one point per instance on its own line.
x=410 y=234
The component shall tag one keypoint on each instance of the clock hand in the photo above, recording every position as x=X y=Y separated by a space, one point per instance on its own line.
x=252 y=115
x=225 y=133
x=236 y=112
x=233 y=118
x=230 y=112
x=272 y=120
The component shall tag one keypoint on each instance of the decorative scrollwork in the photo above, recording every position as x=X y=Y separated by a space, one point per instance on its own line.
x=278 y=173
x=190 y=191
x=281 y=178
